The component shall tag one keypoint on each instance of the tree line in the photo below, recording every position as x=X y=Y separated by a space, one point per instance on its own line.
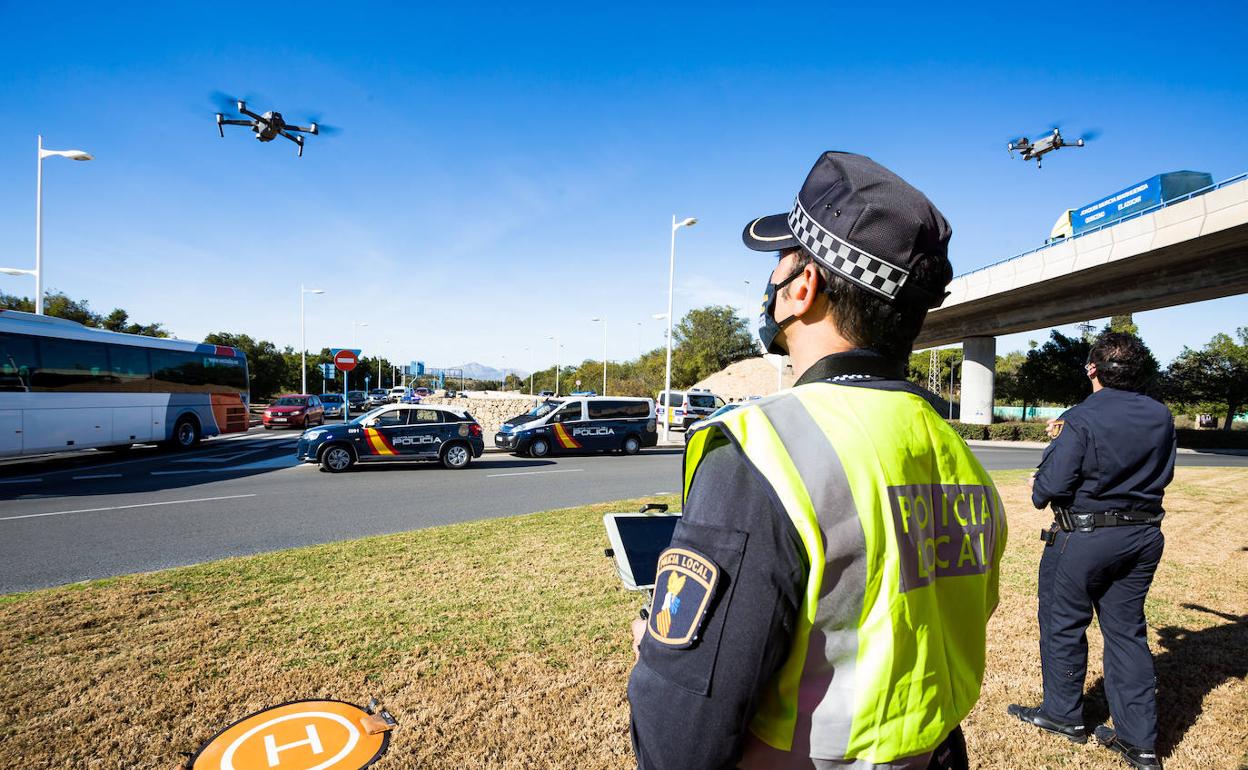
x=59 y=305
x=1212 y=379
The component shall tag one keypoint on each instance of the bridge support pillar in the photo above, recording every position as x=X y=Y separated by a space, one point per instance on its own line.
x=979 y=368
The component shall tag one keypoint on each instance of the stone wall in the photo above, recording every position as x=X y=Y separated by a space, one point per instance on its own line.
x=490 y=412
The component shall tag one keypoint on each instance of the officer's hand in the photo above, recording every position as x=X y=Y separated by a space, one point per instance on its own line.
x=1031 y=479
x=639 y=631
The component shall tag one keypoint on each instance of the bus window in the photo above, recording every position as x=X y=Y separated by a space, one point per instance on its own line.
x=72 y=366
x=17 y=361
x=176 y=371
x=131 y=369
x=225 y=373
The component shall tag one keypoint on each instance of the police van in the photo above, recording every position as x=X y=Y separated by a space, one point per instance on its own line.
x=583 y=424
x=396 y=432
x=688 y=406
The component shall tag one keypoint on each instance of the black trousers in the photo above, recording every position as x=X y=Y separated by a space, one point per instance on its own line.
x=1108 y=570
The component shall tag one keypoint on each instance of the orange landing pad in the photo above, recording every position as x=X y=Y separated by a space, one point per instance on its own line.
x=302 y=735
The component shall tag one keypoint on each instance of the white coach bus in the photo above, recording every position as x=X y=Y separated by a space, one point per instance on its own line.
x=65 y=386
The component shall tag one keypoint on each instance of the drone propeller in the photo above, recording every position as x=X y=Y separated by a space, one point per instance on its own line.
x=323 y=129
x=224 y=102
x=229 y=103
x=1090 y=134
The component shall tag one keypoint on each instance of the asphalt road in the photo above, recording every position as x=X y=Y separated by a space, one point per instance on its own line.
x=97 y=514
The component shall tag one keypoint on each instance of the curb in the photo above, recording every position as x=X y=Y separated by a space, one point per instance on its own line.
x=1043 y=444
x=1011 y=444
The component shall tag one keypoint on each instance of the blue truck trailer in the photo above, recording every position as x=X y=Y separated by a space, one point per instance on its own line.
x=1138 y=197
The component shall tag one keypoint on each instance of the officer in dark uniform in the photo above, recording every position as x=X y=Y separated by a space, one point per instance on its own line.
x=1104 y=474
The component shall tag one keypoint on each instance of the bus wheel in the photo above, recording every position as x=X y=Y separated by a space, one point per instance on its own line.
x=185 y=433
x=539 y=448
x=456 y=456
x=337 y=459
x=631 y=445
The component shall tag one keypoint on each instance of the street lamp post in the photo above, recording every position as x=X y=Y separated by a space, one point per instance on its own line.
x=346 y=375
x=603 y=319
x=530 y=352
x=747 y=300
x=556 y=339
x=667 y=376
x=38 y=271
x=379 y=381
x=303 y=336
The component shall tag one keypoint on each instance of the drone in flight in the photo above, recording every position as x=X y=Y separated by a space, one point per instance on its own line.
x=1048 y=143
x=268 y=126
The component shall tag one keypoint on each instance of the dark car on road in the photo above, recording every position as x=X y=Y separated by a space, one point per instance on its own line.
x=332 y=403
x=357 y=401
x=378 y=397
x=294 y=411
x=579 y=425
x=396 y=432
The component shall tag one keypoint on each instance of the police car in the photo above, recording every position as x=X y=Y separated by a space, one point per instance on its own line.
x=395 y=432
x=688 y=406
x=585 y=424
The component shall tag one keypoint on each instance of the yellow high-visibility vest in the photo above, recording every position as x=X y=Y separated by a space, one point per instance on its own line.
x=903 y=532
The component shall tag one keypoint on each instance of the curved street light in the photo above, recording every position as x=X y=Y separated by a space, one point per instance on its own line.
x=38 y=271
x=667 y=376
x=303 y=335
x=603 y=320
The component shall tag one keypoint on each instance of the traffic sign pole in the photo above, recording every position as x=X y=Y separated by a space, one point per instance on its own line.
x=345 y=360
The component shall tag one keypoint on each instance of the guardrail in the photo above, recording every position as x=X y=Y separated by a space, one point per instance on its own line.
x=1128 y=218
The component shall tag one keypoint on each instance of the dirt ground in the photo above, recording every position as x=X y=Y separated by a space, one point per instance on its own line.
x=504 y=644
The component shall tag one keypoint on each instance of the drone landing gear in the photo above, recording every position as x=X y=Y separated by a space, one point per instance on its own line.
x=296 y=139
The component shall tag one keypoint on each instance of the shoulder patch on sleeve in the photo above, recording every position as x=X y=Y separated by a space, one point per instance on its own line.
x=684 y=584
x=1056 y=429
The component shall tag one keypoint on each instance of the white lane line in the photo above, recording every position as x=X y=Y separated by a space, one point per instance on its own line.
x=532 y=473
x=123 y=507
x=222 y=458
x=98 y=476
x=22 y=481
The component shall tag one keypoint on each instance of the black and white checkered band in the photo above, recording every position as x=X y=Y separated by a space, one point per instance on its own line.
x=867 y=271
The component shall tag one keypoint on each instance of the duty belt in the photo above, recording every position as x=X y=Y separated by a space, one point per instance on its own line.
x=1070 y=521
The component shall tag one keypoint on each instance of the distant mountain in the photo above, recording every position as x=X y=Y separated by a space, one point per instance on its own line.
x=476 y=371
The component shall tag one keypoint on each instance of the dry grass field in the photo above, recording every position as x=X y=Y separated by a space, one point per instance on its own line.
x=505 y=644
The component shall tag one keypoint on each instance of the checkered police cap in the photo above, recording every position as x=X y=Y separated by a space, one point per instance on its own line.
x=865 y=223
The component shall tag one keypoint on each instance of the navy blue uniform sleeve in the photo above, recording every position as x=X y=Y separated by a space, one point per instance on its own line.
x=1060 y=468
x=692 y=705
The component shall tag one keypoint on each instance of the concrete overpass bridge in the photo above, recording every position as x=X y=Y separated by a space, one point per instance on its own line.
x=1186 y=250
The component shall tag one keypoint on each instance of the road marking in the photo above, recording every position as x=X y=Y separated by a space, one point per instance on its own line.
x=222 y=458
x=533 y=473
x=22 y=481
x=98 y=476
x=123 y=507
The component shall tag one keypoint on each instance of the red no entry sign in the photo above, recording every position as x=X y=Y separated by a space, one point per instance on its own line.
x=345 y=360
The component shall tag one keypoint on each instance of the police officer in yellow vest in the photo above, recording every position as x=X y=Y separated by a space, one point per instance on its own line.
x=824 y=599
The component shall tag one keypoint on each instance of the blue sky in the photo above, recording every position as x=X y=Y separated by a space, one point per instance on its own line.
x=505 y=173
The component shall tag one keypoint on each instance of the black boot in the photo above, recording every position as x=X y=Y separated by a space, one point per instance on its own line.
x=1032 y=716
x=1144 y=759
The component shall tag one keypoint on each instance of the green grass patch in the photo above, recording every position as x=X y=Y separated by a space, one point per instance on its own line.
x=508 y=639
